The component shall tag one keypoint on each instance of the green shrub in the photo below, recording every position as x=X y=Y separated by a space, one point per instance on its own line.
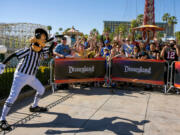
x=6 y=79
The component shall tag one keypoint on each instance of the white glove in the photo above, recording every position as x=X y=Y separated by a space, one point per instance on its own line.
x=54 y=38
x=2 y=68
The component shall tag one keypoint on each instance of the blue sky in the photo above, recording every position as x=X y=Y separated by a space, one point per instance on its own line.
x=83 y=14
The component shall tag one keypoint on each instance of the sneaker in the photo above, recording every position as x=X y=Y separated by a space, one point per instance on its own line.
x=4 y=125
x=38 y=109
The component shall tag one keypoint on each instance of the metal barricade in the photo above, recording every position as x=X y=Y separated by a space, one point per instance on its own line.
x=54 y=84
x=52 y=75
x=169 y=83
x=172 y=79
x=168 y=86
x=134 y=77
x=107 y=76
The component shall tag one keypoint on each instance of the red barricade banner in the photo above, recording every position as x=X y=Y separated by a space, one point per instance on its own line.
x=177 y=75
x=138 y=71
x=79 y=70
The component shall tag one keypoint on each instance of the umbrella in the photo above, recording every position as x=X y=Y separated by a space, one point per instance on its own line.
x=72 y=31
x=148 y=27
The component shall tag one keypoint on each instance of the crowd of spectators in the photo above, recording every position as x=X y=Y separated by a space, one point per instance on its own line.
x=103 y=47
x=92 y=47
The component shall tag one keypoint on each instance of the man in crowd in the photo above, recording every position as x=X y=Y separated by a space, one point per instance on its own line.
x=128 y=47
x=62 y=50
x=170 y=52
x=86 y=45
x=107 y=47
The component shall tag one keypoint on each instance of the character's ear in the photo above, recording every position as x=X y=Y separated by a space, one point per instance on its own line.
x=33 y=40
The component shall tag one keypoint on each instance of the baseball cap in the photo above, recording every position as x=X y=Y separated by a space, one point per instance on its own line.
x=64 y=38
x=106 y=41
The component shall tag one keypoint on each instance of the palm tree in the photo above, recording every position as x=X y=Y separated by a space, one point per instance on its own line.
x=93 y=31
x=86 y=36
x=140 y=19
x=177 y=34
x=159 y=35
x=49 y=28
x=66 y=30
x=116 y=31
x=107 y=29
x=134 y=23
x=172 y=21
x=60 y=29
x=57 y=33
x=123 y=29
x=165 y=19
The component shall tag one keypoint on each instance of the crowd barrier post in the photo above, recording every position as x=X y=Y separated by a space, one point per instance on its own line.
x=52 y=75
x=109 y=72
x=170 y=77
x=166 y=87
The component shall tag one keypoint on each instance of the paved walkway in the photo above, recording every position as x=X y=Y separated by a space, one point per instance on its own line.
x=97 y=111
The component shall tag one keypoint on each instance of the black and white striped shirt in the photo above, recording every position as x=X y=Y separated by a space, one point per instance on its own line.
x=30 y=60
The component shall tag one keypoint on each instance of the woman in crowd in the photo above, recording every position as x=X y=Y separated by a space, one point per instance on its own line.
x=115 y=49
x=135 y=53
x=153 y=53
x=143 y=53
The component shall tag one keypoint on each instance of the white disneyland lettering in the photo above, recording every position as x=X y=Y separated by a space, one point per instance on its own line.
x=137 y=70
x=80 y=69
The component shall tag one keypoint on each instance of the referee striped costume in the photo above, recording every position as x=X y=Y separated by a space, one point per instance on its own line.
x=29 y=61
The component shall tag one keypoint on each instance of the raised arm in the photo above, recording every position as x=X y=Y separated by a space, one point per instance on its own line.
x=9 y=58
x=19 y=54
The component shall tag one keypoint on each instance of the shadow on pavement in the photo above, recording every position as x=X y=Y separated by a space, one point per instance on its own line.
x=105 y=91
x=89 y=92
x=123 y=126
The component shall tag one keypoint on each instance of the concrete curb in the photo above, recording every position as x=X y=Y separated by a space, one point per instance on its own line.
x=24 y=95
